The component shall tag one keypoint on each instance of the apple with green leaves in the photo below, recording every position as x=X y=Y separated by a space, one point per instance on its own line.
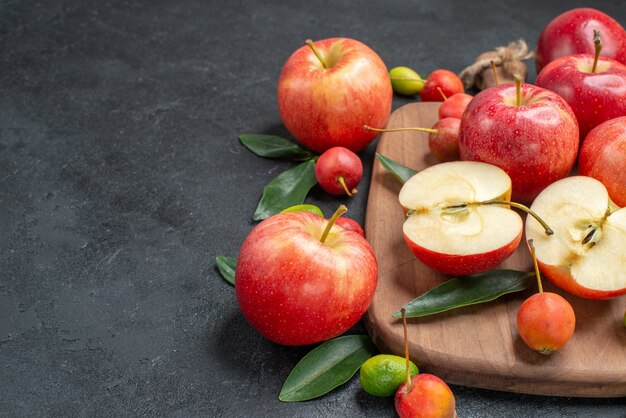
x=586 y=256
x=459 y=220
x=329 y=89
x=301 y=279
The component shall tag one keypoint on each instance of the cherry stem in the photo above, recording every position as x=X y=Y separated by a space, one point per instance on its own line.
x=316 y=52
x=442 y=93
x=598 y=44
x=349 y=192
x=532 y=252
x=406 y=350
x=428 y=130
x=518 y=89
x=495 y=72
x=340 y=211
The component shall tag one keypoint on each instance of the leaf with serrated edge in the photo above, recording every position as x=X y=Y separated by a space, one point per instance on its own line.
x=272 y=146
x=327 y=366
x=469 y=290
x=402 y=173
x=287 y=189
x=227 y=266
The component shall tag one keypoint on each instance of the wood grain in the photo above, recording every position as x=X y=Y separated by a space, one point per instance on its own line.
x=478 y=346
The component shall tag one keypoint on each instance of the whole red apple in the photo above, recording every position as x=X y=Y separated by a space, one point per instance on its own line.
x=338 y=171
x=446 y=80
x=300 y=279
x=443 y=141
x=570 y=33
x=593 y=86
x=603 y=157
x=426 y=397
x=529 y=132
x=329 y=89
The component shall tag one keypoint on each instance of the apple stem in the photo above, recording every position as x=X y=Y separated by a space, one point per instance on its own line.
x=532 y=252
x=349 y=192
x=526 y=209
x=428 y=130
x=442 y=93
x=316 y=52
x=518 y=89
x=340 y=211
x=495 y=72
x=598 y=44
x=406 y=350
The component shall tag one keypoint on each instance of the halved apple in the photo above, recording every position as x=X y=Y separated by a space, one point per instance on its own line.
x=458 y=217
x=586 y=255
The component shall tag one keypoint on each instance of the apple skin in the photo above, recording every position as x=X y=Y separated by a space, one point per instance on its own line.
x=351 y=225
x=594 y=97
x=323 y=108
x=603 y=157
x=562 y=277
x=444 y=145
x=428 y=397
x=454 y=106
x=571 y=33
x=535 y=144
x=463 y=265
x=338 y=162
x=296 y=290
x=449 y=83
x=546 y=322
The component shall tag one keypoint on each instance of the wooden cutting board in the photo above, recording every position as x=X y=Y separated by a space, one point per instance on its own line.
x=478 y=346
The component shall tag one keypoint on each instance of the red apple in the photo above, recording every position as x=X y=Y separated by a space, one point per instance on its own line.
x=594 y=87
x=603 y=157
x=446 y=80
x=450 y=225
x=338 y=171
x=443 y=141
x=454 y=106
x=586 y=255
x=570 y=33
x=529 y=132
x=329 y=89
x=300 y=279
x=351 y=225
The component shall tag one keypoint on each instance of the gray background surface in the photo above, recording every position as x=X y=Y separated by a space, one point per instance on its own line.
x=121 y=179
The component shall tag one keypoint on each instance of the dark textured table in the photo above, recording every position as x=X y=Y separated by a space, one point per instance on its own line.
x=122 y=178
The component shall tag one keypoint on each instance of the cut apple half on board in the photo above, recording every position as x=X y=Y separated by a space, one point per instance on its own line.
x=586 y=255
x=458 y=217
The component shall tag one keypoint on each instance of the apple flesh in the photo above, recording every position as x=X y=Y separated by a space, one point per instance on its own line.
x=295 y=289
x=427 y=397
x=546 y=322
x=603 y=157
x=448 y=229
x=570 y=33
x=446 y=80
x=325 y=102
x=594 y=96
x=338 y=171
x=535 y=141
x=586 y=256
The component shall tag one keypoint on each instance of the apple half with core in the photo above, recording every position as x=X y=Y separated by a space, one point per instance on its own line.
x=301 y=279
x=458 y=217
x=529 y=132
x=329 y=89
x=586 y=255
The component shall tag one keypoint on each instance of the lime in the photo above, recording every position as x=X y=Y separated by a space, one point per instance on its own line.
x=405 y=81
x=383 y=374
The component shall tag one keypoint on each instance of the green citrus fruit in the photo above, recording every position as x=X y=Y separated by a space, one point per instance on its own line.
x=406 y=81
x=383 y=374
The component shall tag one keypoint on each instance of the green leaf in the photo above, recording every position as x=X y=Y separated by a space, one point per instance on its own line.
x=469 y=290
x=227 y=266
x=272 y=146
x=399 y=171
x=327 y=366
x=308 y=208
x=287 y=189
